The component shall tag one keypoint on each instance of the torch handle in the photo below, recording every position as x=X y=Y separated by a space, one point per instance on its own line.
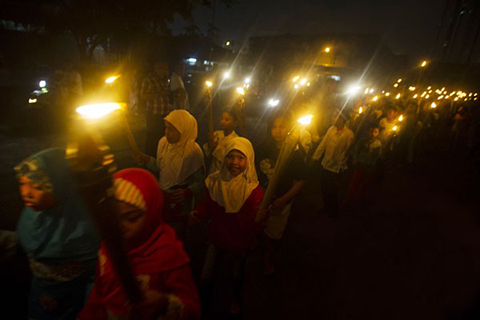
x=103 y=209
x=210 y=112
x=128 y=132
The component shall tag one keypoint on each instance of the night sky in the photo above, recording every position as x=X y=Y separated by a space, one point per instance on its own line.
x=408 y=26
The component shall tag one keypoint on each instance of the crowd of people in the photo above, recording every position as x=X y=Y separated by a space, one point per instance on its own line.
x=221 y=185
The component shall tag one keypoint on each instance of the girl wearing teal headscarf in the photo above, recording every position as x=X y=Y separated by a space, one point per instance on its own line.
x=55 y=231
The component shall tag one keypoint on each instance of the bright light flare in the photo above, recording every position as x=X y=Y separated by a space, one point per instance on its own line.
x=353 y=90
x=327 y=49
x=240 y=91
x=411 y=88
x=387 y=94
x=303 y=81
x=296 y=79
x=399 y=80
x=98 y=110
x=375 y=98
x=248 y=80
x=31 y=101
x=273 y=102
x=42 y=83
x=396 y=85
x=423 y=64
x=360 y=110
x=400 y=118
x=111 y=79
x=305 y=120
x=209 y=84
x=395 y=128
x=226 y=75
x=433 y=105
x=398 y=96
x=415 y=96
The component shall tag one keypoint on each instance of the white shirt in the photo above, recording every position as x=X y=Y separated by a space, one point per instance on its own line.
x=176 y=83
x=335 y=146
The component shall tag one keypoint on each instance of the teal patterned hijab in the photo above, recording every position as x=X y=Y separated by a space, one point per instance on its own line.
x=63 y=232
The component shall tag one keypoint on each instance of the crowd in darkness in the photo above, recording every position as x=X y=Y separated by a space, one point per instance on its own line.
x=178 y=183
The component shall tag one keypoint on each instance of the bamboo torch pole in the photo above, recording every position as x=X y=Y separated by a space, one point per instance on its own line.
x=284 y=158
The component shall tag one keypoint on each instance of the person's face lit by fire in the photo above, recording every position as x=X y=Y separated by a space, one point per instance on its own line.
x=132 y=222
x=391 y=115
x=236 y=162
x=171 y=133
x=375 y=133
x=34 y=196
x=279 y=130
x=228 y=123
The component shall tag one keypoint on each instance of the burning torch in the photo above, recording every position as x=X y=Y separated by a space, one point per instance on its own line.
x=286 y=153
x=93 y=166
x=240 y=111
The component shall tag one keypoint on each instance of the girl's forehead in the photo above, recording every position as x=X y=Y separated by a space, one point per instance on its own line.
x=237 y=153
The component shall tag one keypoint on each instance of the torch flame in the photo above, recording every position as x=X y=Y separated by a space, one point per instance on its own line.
x=209 y=83
x=305 y=120
x=400 y=118
x=434 y=105
x=241 y=91
x=111 y=80
x=96 y=111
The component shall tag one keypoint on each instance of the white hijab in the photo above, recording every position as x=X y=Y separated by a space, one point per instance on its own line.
x=178 y=161
x=228 y=191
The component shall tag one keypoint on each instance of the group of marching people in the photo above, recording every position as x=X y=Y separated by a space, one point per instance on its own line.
x=73 y=274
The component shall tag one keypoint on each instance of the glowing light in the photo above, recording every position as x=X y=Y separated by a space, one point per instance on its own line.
x=327 y=49
x=226 y=75
x=396 y=85
x=305 y=120
x=95 y=111
x=360 y=110
x=424 y=64
x=433 y=105
x=476 y=94
x=387 y=94
x=308 y=84
x=399 y=80
x=366 y=91
x=395 y=128
x=209 y=84
x=353 y=90
x=273 y=102
x=247 y=80
x=375 y=98
x=303 y=81
x=296 y=78
x=111 y=80
x=372 y=91
x=192 y=61
x=411 y=88
x=430 y=87
x=296 y=86
x=415 y=96
x=398 y=96
x=240 y=91
x=424 y=93
x=440 y=98
x=42 y=83
x=400 y=118
x=470 y=94
x=32 y=100
x=227 y=43
x=427 y=96
x=456 y=99
x=453 y=93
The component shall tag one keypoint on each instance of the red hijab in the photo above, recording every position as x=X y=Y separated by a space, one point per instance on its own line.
x=162 y=251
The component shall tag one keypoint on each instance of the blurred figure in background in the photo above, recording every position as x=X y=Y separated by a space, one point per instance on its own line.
x=180 y=94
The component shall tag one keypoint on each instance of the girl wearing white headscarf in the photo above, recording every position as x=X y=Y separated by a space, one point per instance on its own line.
x=232 y=202
x=181 y=170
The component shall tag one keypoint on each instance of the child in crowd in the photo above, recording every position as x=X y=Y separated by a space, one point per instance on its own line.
x=57 y=235
x=334 y=150
x=181 y=168
x=290 y=185
x=232 y=203
x=215 y=148
x=388 y=124
x=157 y=258
x=365 y=156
